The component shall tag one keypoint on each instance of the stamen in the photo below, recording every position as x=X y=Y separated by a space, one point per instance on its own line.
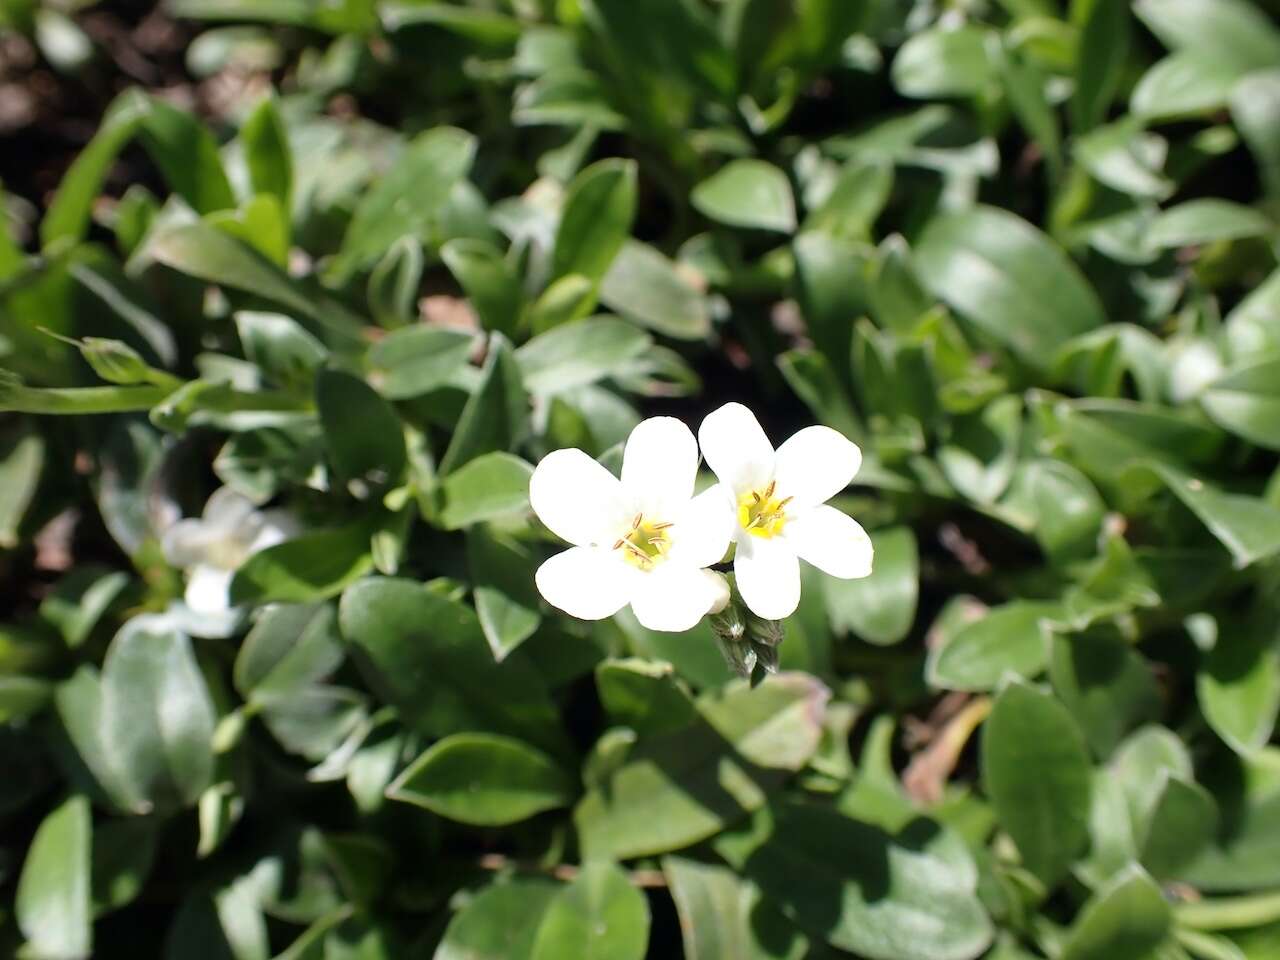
x=782 y=503
x=768 y=491
x=621 y=541
x=661 y=526
x=635 y=523
x=755 y=496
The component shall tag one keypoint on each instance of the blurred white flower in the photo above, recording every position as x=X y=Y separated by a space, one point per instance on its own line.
x=643 y=540
x=213 y=547
x=778 y=499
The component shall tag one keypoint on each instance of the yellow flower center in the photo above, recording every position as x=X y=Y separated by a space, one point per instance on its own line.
x=762 y=514
x=646 y=543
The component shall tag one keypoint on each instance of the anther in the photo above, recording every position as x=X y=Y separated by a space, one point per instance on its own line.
x=635 y=523
x=768 y=491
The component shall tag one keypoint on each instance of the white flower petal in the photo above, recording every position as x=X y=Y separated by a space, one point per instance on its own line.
x=589 y=583
x=186 y=543
x=277 y=527
x=659 y=465
x=768 y=576
x=815 y=464
x=578 y=499
x=226 y=510
x=209 y=589
x=702 y=528
x=722 y=592
x=673 y=597
x=832 y=541
x=735 y=447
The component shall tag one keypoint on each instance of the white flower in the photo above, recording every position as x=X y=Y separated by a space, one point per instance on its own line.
x=778 y=500
x=643 y=540
x=212 y=548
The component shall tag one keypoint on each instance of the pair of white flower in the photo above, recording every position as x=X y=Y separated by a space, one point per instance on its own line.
x=647 y=540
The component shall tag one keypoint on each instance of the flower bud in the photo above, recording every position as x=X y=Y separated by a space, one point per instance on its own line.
x=114 y=361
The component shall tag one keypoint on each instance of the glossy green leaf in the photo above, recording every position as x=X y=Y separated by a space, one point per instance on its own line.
x=1008 y=280
x=283 y=348
x=507 y=603
x=1012 y=639
x=416 y=360
x=1105 y=30
x=747 y=193
x=410 y=198
x=1206 y=221
x=1106 y=685
x=487 y=279
x=599 y=208
x=309 y=567
x=1184 y=85
x=599 y=916
x=490 y=486
x=1238 y=686
x=22 y=454
x=1036 y=772
x=1181 y=824
x=645 y=286
x=267 y=153
x=483 y=779
x=363 y=434
x=882 y=607
x=1233 y=30
x=53 y=898
x=944 y=63
x=1246 y=401
x=1127 y=920
x=426 y=654
x=1255 y=108
x=576 y=354
x=644 y=695
x=680 y=787
x=290 y=646
x=496 y=416
x=501 y=923
x=904 y=896
x=123 y=851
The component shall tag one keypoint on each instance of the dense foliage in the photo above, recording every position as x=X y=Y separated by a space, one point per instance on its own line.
x=382 y=256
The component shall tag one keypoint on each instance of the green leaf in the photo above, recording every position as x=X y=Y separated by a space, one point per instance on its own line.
x=644 y=695
x=747 y=193
x=1206 y=221
x=1008 y=279
x=21 y=463
x=579 y=353
x=1245 y=854
x=1249 y=527
x=1255 y=108
x=362 y=431
x=409 y=199
x=1238 y=686
x=482 y=26
x=1059 y=504
x=500 y=923
x=944 y=63
x=1235 y=31
x=67 y=219
x=1183 y=85
x=882 y=607
x=599 y=208
x=1102 y=55
x=1108 y=687
x=291 y=646
x=267 y=154
x=394 y=284
x=645 y=286
x=1181 y=824
x=416 y=360
x=187 y=154
x=492 y=287
x=1246 y=401
x=566 y=300
x=982 y=452
x=490 y=486
x=1127 y=920
x=599 y=916
x=723 y=917
x=858 y=196
x=426 y=655
x=52 y=903
x=507 y=602
x=282 y=347
x=681 y=787
x=1010 y=639
x=1036 y=772
x=483 y=779
x=905 y=896
x=496 y=416
x=81 y=599
x=309 y=567
x=123 y=851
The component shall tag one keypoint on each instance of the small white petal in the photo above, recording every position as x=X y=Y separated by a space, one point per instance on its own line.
x=209 y=589
x=659 y=465
x=702 y=528
x=277 y=527
x=722 y=593
x=832 y=541
x=578 y=499
x=186 y=543
x=735 y=447
x=673 y=597
x=226 y=510
x=589 y=583
x=815 y=464
x=768 y=576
